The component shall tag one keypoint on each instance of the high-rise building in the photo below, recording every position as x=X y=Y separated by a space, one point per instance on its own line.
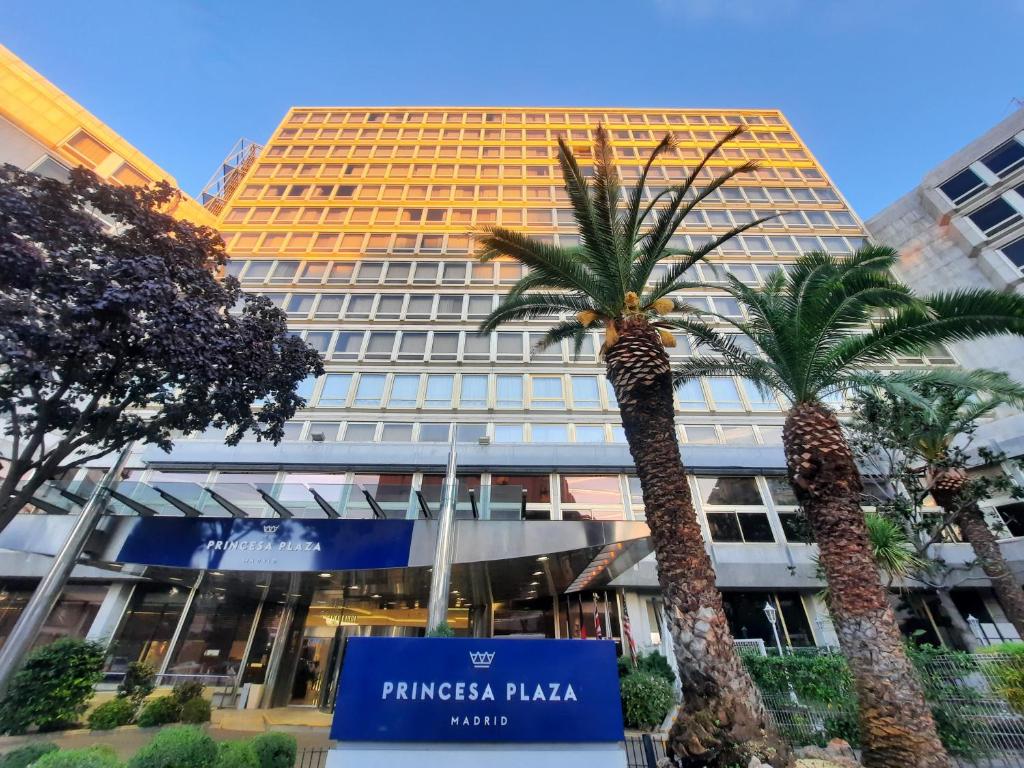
x=359 y=223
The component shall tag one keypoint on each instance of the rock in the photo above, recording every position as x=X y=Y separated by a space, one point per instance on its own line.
x=840 y=748
x=816 y=757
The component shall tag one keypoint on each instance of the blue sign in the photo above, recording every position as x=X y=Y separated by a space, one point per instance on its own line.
x=234 y=544
x=478 y=690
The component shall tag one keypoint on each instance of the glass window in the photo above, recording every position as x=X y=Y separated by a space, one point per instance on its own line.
x=359 y=307
x=396 y=433
x=591 y=489
x=508 y=433
x=691 y=396
x=454 y=273
x=449 y=307
x=758 y=401
x=360 y=432
x=510 y=391
x=347 y=345
x=589 y=433
x=1004 y=159
x=341 y=273
x=781 y=491
x=963 y=186
x=994 y=217
x=420 y=307
x=370 y=272
x=547 y=392
x=439 y=391
x=473 y=391
x=725 y=393
x=323 y=431
x=479 y=306
x=509 y=346
x=335 y=391
x=724 y=527
x=738 y=434
x=470 y=433
x=319 y=340
x=405 y=389
x=729 y=491
x=398 y=273
x=380 y=345
x=585 y=392
x=1015 y=252
x=329 y=306
x=706 y=435
x=413 y=346
x=445 y=346
x=434 y=433
x=389 y=306
x=370 y=390
x=549 y=433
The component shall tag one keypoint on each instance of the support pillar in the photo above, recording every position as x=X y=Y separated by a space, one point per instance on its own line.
x=444 y=549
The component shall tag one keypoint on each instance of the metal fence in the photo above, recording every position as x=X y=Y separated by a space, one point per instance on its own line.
x=977 y=701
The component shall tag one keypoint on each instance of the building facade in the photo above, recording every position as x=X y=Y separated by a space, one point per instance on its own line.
x=358 y=223
x=963 y=227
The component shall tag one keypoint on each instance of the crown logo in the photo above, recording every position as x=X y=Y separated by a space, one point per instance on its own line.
x=270 y=528
x=481 y=659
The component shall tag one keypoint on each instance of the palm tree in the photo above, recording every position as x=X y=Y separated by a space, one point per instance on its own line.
x=945 y=416
x=604 y=282
x=818 y=329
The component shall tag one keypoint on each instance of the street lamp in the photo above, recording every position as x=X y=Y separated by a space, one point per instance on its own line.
x=771 y=614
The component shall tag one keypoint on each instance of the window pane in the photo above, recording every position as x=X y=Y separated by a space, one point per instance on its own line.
x=725 y=394
x=729 y=491
x=758 y=401
x=445 y=346
x=691 y=395
x=755 y=526
x=434 y=433
x=781 y=491
x=510 y=391
x=589 y=434
x=994 y=217
x=702 y=435
x=724 y=527
x=795 y=527
x=585 y=392
x=360 y=432
x=469 y=433
x=412 y=346
x=396 y=433
x=963 y=186
x=550 y=433
x=439 y=391
x=370 y=389
x=380 y=345
x=508 y=433
x=473 y=392
x=347 y=345
x=591 y=489
x=547 y=392
x=1003 y=160
x=404 y=389
x=335 y=391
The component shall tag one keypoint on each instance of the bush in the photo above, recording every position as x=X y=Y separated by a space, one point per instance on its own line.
x=23 y=757
x=444 y=629
x=1007 y=674
x=237 y=754
x=91 y=757
x=653 y=663
x=159 y=711
x=195 y=711
x=183 y=746
x=112 y=714
x=275 y=750
x=646 y=700
x=53 y=687
x=139 y=681
x=187 y=691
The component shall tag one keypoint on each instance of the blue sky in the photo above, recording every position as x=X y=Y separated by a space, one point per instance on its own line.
x=881 y=91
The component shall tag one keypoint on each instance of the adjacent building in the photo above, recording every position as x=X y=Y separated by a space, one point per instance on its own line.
x=358 y=222
x=963 y=227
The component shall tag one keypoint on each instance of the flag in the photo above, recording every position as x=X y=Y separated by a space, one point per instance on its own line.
x=628 y=632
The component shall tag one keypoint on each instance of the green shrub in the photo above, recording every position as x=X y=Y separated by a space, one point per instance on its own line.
x=23 y=757
x=183 y=746
x=53 y=687
x=1007 y=674
x=236 y=754
x=275 y=750
x=187 y=691
x=653 y=663
x=195 y=711
x=444 y=629
x=646 y=700
x=159 y=711
x=139 y=681
x=112 y=714
x=99 y=756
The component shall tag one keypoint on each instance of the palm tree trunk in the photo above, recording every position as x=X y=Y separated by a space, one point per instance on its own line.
x=976 y=532
x=896 y=724
x=722 y=720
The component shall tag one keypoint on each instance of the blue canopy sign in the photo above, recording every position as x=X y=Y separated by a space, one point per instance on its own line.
x=268 y=544
x=478 y=690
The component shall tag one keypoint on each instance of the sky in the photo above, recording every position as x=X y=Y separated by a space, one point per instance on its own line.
x=881 y=91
